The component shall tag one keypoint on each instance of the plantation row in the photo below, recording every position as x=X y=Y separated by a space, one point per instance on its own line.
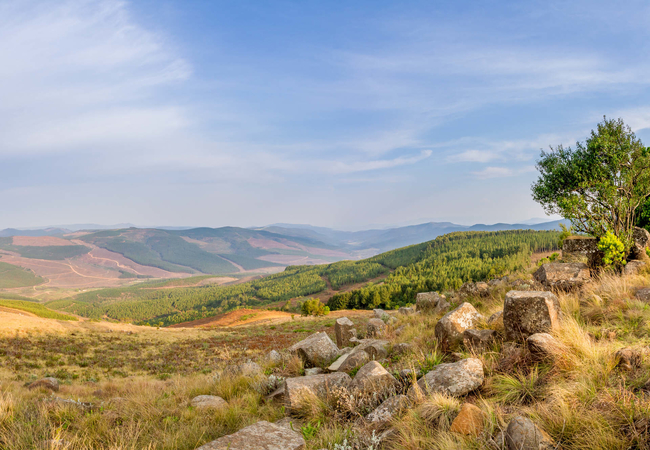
x=442 y=264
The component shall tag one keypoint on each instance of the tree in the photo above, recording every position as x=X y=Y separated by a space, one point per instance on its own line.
x=643 y=215
x=600 y=185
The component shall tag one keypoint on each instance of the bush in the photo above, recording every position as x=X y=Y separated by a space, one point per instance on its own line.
x=566 y=232
x=613 y=249
x=314 y=307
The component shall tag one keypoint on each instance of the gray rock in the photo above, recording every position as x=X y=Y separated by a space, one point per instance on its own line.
x=350 y=361
x=317 y=350
x=641 y=238
x=247 y=369
x=373 y=377
x=313 y=371
x=387 y=410
x=523 y=434
x=406 y=311
x=496 y=319
x=260 y=436
x=564 y=276
x=426 y=302
x=376 y=328
x=48 y=383
x=402 y=348
x=455 y=379
x=478 y=340
x=449 y=329
x=274 y=357
x=296 y=391
x=85 y=407
x=208 y=402
x=344 y=329
x=410 y=374
x=633 y=267
x=544 y=346
x=581 y=248
x=530 y=312
x=643 y=294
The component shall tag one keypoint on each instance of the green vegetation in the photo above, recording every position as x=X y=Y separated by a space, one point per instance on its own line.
x=446 y=263
x=314 y=307
x=600 y=185
x=613 y=250
x=49 y=252
x=13 y=276
x=35 y=308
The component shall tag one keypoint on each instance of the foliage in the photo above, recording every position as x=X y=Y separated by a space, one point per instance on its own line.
x=314 y=307
x=13 y=276
x=613 y=249
x=35 y=308
x=643 y=215
x=565 y=233
x=600 y=185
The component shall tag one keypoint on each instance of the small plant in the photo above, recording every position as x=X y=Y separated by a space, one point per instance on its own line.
x=565 y=233
x=613 y=249
x=314 y=307
x=309 y=431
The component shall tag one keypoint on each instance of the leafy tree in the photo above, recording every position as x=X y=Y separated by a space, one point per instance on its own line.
x=600 y=185
x=643 y=215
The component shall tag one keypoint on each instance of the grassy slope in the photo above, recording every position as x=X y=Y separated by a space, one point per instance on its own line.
x=49 y=252
x=35 y=308
x=13 y=276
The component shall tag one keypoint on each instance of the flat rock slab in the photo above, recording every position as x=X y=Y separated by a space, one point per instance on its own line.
x=260 y=436
x=544 y=346
x=565 y=276
x=208 y=402
x=530 y=312
x=389 y=408
x=455 y=379
x=373 y=377
x=295 y=391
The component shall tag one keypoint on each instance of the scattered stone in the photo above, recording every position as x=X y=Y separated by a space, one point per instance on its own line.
x=479 y=289
x=375 y=348
x=344 y=329
x=544 y=346
x=383 y=315
x=274 y=357
x=296 y=391
x=564 y=276
x=641 y=238
x=633 y=267
x=496 y=319
x=313 y=371
x=373 y=377
x=247 y=369
x=58 y=401
x=499 y=441
x=427 y=302
x=387 y=410
x=376 y=328
x=469 y=421
x=455 y=379
x=581 y=248
x=410 y=374
x=48 y=383
x=317 y=350
x=628 y=358
x=350 y=362
x=643 y=294
x=260 y=436
x=530 y=312
x=402 y=348
x=208 y=402
x=449 y=329
x=478 y=340
x=442 y=306
x=407 y=311
x=400 y=330
x=523 y=434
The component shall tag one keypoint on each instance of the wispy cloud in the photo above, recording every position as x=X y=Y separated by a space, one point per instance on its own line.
x=502 y=172
x=339 y=167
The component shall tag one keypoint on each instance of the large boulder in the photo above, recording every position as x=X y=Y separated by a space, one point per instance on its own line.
x=260 y=436
x=366 y=350
x=641 y=238
x=582 y=248
x=47 y=383
x=376 y=328
x=427 y=302
x=469 y=421
x=523 y=434
x=208 y=402
x=406 y=311
x=373 y=377
x=530 y=312
x=317 y=350
x=344 y=329
x=387 y=410
x=455 y=379
x=633 y=267
x=478 y=340
x=564 y=276
x=383 y=315
x=296 y=391
x=449 y=329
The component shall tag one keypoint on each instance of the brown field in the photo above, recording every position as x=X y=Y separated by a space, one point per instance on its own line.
x=40 y=241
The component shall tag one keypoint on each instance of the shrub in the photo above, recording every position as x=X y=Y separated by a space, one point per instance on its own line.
x=613 y=249
x=314 y=307
x=566 y=232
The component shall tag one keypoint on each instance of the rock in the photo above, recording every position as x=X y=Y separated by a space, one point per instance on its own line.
x=499 y=441
x=633 y=267
x=373 y=377
x=380 y=313
x=426 y=302
x=349 y=361
x=407 y=311
x=85 y=407
x=313 y=371
x=317 y=350
x=449 y=329
x=291 y=423
x=402 y=348
x=641 y=238
x=247 y=369
x=581 y=248
x=400 y=330
x=643 y=294
x=544 y=346
x=478 y=340
x=410 y=374
x=455 y=379
x=274 y=357
x=376 y=328
x=564 y=276
x=523 y=434
x=628 y=358
x=208 y=402
x=295 y=391
x=496 y=319
x=48 y=383
x=387 y=410
x=260 y=436
x=375 y=348
x=469 y=421
x=442 y=306
x=344 y=329
x=530 y=312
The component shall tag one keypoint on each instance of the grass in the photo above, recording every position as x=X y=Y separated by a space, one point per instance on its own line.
x=49 y=252
x=13 y=277
x=35 y=308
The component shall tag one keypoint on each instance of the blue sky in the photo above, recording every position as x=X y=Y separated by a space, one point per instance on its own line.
x=341 y=114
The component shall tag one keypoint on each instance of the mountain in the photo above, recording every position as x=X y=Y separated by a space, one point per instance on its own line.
x=9 y=232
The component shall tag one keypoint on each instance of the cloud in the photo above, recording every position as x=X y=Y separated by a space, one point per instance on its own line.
x=637 y=118
x=340 y=167
x=502 y=172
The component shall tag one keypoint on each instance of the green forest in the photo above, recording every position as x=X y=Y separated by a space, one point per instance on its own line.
x=442 y=264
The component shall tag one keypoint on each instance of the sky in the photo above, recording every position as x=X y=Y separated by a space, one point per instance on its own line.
x=331 y=113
